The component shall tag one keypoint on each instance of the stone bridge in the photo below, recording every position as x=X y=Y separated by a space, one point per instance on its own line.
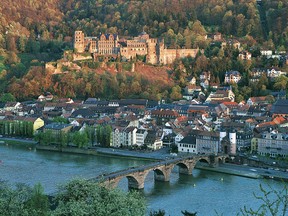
x=136 y=175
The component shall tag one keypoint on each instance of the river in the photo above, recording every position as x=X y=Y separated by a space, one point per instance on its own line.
x=204 y=192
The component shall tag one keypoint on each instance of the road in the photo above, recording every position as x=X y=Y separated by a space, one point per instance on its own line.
x=267 y=173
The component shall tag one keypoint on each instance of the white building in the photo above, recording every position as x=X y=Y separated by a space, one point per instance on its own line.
x=179 y=137
x=200 y=142
x=123 y=136
x=156 y=145
x=221 y=95
x=273 y=144
x=188 y=144
x=266 y=52
x=232 y=77
x=140 y=136
x=273 y=73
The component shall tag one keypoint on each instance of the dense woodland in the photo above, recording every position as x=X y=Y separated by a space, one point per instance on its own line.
x=33 y=32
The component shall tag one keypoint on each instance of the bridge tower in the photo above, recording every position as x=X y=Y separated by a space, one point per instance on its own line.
x=232 y=138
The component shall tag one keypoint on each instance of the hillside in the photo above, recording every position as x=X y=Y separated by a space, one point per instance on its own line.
x=57 y=19
x=29 y=17
x=33 y=32
x=111 y=80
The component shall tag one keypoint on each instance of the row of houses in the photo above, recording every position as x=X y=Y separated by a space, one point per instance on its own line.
x=231 y=77
x=271 y=73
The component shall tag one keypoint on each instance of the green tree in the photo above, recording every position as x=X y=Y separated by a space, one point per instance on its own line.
x=91 y=134
x=198 y=29
x=274 y=203
x=246 y=92
x=44 y=138
x=82 y=197
x=98 y=134
x=107 y=135
x=80 y=139
x=176 y=93
x=281 y=83
x=7 y=97
x=21 y=200
x=60 y=119
x=22 y=43
x=62 y=139
x=160 y=212
x=38 y=203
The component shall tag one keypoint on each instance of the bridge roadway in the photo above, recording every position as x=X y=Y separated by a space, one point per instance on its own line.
x=162 y=170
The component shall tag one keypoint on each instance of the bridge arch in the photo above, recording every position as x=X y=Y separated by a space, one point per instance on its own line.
x=185 y=167
x=134 y=182
x=223 y=159
x=204 y=160
x=160 y=175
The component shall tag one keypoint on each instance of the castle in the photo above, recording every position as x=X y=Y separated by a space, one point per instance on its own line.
x=110 y=46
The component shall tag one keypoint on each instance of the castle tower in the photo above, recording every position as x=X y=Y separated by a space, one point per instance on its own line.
x=161 y=52
x=151 y=51
x=79 y=44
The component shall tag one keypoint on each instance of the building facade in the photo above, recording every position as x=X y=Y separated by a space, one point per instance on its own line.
x=200 y=142
x=109 y=45
x=273 y=144
x=123 y=136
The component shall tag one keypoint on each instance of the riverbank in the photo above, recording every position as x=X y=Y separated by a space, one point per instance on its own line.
x=17 y=141
x=99 y=152
x=151 y=156
x=230 y=171
x=246 y=171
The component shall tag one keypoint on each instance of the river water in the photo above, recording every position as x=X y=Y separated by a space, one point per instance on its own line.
x=208 y=193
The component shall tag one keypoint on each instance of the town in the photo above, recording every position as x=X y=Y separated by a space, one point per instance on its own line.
x=217 y=125
x=207 y=120
x=197 y=124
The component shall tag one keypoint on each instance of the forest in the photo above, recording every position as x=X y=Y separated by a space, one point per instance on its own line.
x=33 y=32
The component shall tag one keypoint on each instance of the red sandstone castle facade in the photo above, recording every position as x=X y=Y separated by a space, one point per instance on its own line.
x=109 y=45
